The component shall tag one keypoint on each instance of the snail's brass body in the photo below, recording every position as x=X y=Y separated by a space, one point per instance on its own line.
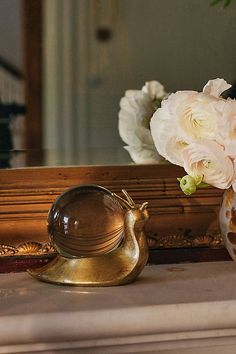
x=120 y=266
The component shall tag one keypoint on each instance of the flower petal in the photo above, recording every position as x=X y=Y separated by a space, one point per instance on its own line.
x=154 y=89
x=136 y=111
x=144 y=154
x=216 y=87
x=208 y=160
x=165 y=137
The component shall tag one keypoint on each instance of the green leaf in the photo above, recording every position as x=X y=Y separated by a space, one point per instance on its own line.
x=225 y=3
x=215 y=2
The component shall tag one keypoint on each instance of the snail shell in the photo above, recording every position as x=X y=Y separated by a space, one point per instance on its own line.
x=86 y=221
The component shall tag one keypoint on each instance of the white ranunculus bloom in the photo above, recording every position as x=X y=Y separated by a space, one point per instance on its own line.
x=165 y=135
x=216 y=87
x=154 y=89
x=136 y=110
x=198 y=131
x=185 y=117
x=227 y=127
x=230 y=149
x=143 y=154
x=196 y=115
x=207 y=160
x=199 y=117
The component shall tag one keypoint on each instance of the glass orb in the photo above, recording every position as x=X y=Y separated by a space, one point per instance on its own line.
x=86 y=221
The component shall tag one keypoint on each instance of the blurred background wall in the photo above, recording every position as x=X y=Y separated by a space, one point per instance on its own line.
x=94 y=50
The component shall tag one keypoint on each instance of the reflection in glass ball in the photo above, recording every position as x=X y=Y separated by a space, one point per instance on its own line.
x=86 y=221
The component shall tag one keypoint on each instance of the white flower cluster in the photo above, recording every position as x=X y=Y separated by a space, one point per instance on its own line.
x=136 y=110
x=197 y=130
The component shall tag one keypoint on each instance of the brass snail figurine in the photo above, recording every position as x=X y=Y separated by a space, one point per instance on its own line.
x=99 y=242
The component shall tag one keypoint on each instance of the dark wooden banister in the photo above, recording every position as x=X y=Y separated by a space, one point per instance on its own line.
x=11 y=69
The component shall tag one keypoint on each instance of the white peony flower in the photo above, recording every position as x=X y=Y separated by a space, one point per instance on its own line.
x=207 y=161
x=136 y=110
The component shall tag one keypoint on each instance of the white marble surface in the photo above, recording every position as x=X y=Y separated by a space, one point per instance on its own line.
x=168 y=309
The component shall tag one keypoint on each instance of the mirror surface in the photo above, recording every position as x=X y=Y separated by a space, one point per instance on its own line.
x=95 y=50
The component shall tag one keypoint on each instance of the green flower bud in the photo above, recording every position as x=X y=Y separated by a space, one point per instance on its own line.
x=188 y=184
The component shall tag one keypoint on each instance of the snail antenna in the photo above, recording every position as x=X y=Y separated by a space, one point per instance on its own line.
x=144 y=206
x=128 y=197
x=124 y=201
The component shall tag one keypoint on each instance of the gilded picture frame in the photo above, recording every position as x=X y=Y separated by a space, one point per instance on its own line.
x=181 y=228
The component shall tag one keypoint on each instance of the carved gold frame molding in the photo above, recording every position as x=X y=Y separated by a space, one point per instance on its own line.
x=176 y=222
